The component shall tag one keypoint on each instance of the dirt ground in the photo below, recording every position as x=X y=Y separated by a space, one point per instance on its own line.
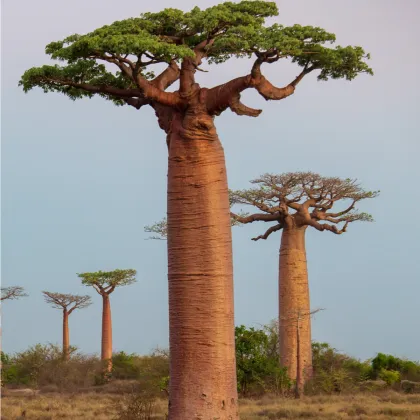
x=388 y=405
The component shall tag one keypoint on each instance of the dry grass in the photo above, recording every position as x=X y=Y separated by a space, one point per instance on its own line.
x=388 y=405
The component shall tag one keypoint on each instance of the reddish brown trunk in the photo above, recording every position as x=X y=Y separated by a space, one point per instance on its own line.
x=106 y=353
x=294 y=306
x=202 y=342
x=66 y=335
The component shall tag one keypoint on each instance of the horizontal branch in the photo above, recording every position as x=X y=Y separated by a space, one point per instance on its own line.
x=269 y=231
x=341 y=213
x=255 y=217
x=325 y=226
x=146 y=92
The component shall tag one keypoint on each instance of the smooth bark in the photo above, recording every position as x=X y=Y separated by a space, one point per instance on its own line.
x=66 y=335
x=106 y=351
x=294 y=306
x=202 y=343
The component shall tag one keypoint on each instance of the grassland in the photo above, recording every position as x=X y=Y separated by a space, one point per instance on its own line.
x=386 y=405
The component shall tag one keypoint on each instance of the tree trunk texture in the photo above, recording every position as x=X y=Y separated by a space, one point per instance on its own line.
x=294 y=307
x=200 y=275
x=106 y=351
x=66 y=336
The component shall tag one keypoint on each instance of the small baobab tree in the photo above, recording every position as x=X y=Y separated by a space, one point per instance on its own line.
x=176 y=44
x=12 y=292
x=292 y=202
x=105 y=282
x=67 y=303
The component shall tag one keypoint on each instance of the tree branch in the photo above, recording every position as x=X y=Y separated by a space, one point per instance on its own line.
x=169 y=76
x=12 y=292
x=269 y=91
x=147 y=91
x=325 y=226
x=223 y=96
x=255 y=217
x=341 y=213
x=137 y=102
x=240 y=109
x=98 y=288
x=269 y=232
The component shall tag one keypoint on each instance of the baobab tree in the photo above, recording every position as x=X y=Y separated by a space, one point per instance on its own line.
x=293 y=320
x=292 y=202
x=67 y=303
x=105 y=282
x=12 y=292
x=203 y=377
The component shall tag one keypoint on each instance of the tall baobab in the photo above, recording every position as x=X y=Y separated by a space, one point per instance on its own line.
x=12 y=292
x=67 y=303
x=105 y=282
x=292 y=202
x=201 y=324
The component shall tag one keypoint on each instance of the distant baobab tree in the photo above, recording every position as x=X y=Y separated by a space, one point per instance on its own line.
x=105 y=282
x=116 y=62
x=12 y=292
x=292 y=202
x=68 y=303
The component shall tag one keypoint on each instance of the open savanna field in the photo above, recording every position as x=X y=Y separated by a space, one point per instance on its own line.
x=386 y=405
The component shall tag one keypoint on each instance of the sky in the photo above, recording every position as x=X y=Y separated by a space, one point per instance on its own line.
x=80 y=180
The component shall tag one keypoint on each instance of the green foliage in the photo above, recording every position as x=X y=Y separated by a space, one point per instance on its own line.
x=389 y=376
x=160 y=229
x=124 y=366
x=335 y=372
x=258 y=368
x=43 y=365
x=385 y=362
x=237 y=29
x=109 y=278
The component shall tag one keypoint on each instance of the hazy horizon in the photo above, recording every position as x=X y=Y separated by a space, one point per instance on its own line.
x=80 y=180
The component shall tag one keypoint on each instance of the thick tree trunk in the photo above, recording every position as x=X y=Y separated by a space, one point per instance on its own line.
x=106 y=351
x=202 y=343
x=294 y=307
x=66 y=336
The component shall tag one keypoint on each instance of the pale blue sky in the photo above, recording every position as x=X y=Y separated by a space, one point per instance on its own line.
x=81 y=179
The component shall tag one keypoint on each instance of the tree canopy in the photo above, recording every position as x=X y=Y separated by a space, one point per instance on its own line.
x=159 y=229
x=302 y=199
x=67 y=302
x=217 y=34
x=12 y=292
x=105 y=282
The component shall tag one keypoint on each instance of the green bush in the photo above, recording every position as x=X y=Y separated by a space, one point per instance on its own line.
x=408 y=369
x=257 y=361
x=124 y=366
x=43 y=365
x=258 y=369
x=391 y=377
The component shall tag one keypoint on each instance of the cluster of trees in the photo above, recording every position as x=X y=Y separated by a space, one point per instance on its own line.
x=198 y=224
x=292 y=203
x=104 y=282
x=259 y=371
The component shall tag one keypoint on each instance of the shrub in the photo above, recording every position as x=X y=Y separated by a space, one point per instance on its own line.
x=43 y=365
x=136 y=406
x=257 y=362
x=389 y=376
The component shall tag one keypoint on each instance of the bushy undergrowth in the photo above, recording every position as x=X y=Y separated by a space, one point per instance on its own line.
x=258 y=370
